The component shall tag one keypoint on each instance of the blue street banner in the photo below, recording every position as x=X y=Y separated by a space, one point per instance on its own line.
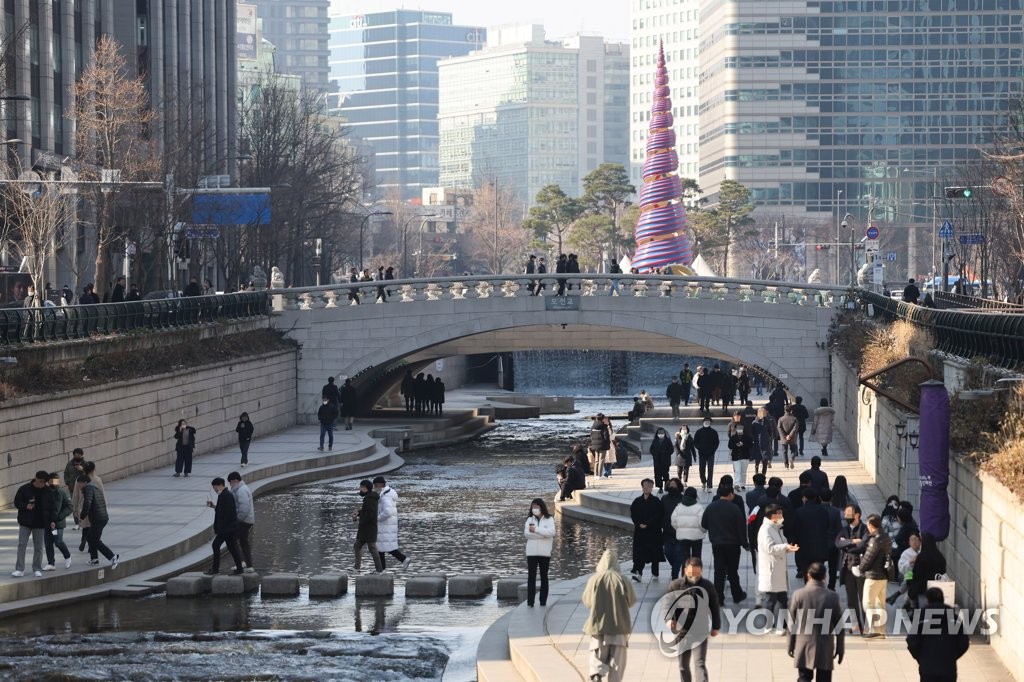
x=231 y=209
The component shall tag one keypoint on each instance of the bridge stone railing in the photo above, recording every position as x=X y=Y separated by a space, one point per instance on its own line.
x=581 y=285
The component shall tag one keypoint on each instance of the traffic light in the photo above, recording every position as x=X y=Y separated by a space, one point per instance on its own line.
x=959 y=192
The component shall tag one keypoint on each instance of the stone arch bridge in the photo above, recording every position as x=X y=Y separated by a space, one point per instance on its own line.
x=779 y=328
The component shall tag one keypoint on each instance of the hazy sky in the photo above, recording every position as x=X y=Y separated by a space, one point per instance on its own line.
x=609 y=18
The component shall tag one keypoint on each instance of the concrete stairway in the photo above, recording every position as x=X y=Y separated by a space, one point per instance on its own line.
x=596 y=507
x=410 y=433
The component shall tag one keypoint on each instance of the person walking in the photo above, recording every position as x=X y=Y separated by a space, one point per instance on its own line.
x=225 y=524
x=741 y=444
x=789 y=434
x=687 y=597
x=35 y=508
x=766 y=435
x=705 y=440
x=366 y=532
x=686 y=382
x=727 y=531
x=873 y=568
x=704 y=389
x=819 y=479
x=408 y=382
x=661 y=455
x=852 y=542
x=816 y=642
x=614 y=269
x=539 y=533
x=802 y=415
x=60 y=509
x=937 y=639
x=94 y=512
x=327 y=415
x=685 y=453
x=349 y=403
x=244 y=429
x=246 y=512
x=743 y=385
x=647 y=514
x=609 y=597
x=814 y=531
x=73 y=469
x=674 y=393
x=387 y=523
x=184 y=448
x=772 y=574
x=670 y=542
x=330 y=391
x=821 y=426
x=911 y=294
x=686 y=521
x=600 y=442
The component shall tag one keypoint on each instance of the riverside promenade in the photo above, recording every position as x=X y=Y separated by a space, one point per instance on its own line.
x=161 y=526
x=548 y=644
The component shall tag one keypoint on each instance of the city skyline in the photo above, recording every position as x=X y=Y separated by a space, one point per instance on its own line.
x=559 y=19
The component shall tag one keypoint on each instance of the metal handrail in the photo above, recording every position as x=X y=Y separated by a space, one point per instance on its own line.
x=65 y=323
x=950 y=300
x=997 y=337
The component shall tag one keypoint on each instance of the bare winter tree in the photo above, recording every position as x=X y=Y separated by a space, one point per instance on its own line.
x=112 y=120
x=41 y=217
x=496 y=239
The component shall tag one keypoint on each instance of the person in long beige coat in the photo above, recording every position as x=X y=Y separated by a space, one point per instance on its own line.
x=609 y=595
x=821 y=427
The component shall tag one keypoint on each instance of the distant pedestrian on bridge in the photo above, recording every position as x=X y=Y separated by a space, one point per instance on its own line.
x=911 y=294
x=608 y=596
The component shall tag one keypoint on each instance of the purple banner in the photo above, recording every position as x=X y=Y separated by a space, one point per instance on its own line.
x=934 y=456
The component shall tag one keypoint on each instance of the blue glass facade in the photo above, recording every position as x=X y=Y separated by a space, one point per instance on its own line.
x=384 y=69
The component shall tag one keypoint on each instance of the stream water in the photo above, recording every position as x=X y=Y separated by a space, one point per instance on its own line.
x=462 y=510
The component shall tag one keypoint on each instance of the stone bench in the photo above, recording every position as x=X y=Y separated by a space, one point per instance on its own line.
x=189 y=585
x=425 y=586
x=508 y=588
x=375 y=585
x=470 y=586
x=328 y=585
x=280 y=585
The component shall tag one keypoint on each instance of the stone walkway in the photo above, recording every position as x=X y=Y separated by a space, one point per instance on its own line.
x=161 y=525
x=740 y=656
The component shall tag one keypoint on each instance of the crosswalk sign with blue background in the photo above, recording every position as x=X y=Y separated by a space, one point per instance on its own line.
x=946 y=231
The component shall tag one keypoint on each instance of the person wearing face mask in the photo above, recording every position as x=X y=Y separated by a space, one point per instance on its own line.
x=366 y=532
x=740 y=444
x=647 y=514
x=673 y=552
x=852 y=542
x=539 y=533
x=705 y=440
x=772 y=550
x=688 y=594
x=685 y=453
x=184 y=448
x=661 y=453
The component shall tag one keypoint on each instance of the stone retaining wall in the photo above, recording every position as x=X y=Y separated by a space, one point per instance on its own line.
x=985 y=548
x=128 y=427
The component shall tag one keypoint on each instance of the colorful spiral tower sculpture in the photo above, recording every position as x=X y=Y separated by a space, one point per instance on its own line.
x=661 y=231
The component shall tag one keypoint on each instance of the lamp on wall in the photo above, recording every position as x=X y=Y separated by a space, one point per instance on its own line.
x=901 y=429
x=914 y=436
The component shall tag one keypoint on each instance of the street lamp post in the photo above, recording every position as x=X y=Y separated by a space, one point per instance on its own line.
x=419 y=254
x=839 y=195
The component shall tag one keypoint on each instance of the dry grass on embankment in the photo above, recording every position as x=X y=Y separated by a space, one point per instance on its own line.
x=122 y=365
x=990 y=433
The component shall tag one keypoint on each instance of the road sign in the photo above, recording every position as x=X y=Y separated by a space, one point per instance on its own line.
x=890 y=256
x=972 y=238
x=871 y=246
x=202 y=233
x=872 y=232
x=946 y=231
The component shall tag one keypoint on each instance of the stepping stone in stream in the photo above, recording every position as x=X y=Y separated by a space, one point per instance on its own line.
x=508 y=588
x=328 y=585
x=375 y=585
x=425 y=586
x=227 y=585
x=280 y=585
x=471 y=586
x=188 y=585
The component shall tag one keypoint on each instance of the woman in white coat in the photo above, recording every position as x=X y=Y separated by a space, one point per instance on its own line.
x=539 y=533
x=686 y=520
x=772 y=548
x=387 y=522
x=821 y=427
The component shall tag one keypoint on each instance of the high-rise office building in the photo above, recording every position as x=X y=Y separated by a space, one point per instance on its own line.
x=826 y=108
x=299 y=31
x=384 y=70
x=184 y=49
x=529 y=112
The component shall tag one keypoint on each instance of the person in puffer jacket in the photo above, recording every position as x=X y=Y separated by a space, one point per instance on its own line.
x=686 y=520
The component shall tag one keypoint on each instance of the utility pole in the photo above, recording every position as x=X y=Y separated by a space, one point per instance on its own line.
x=496 y=225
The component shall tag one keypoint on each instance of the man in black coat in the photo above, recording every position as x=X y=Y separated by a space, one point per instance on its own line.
x=802 y=415
x=852 y=542
x=366 y=533
x=327 y=415
x=703 y=389
x=727 y=531
x=600 y=443
x=349 y=403
x=661 y=450
x=819 y=479
x=34 y=507
x=118 y=294
x=814 y=532
x=705 y=441
x=330 y=391
x=225 y=525
x=674 y=393
x=934 y=641
x=408 y=384
x=647 y=513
